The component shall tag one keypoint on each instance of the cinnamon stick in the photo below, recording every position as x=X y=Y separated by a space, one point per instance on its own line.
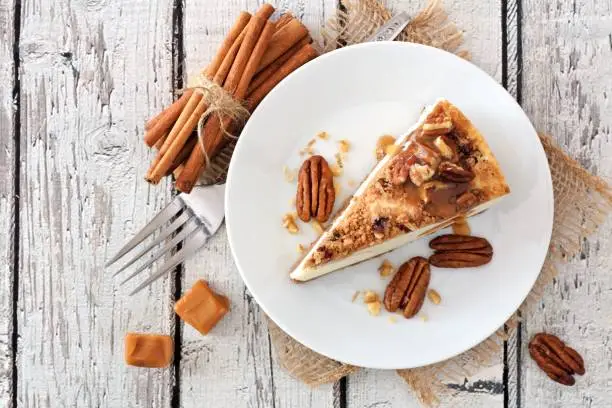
x=304 y=54
x=255 y=27
x=158 y=146
x=254 y=60
x=273 y=67
x=161 y=141
x=283 y=19
x=177 y=172
x=228 y=61
x=284 y=38
x=153 y=121
x=255 y=44
x=183 y=154
x=196 y=105
x=235 y=32
x=163 y=121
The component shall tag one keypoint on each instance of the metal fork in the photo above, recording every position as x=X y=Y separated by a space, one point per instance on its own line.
x=194 y=218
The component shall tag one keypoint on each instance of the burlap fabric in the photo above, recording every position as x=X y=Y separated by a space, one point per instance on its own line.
x=582 y=202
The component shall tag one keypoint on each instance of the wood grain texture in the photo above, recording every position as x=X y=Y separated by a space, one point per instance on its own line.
x=370 y=388
x=234 y=365
x=92 y=71
x=7 y=190
x=567 y=49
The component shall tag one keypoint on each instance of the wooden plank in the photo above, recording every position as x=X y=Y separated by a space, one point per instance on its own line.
x=234 y=365
x=91 y=73
x=481 y=23
x=566 y=89
x=7 y=200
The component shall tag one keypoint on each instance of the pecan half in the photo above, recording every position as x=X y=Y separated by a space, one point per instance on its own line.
x=315 y=192
x=459 y=259
x=460 y=251
x=453 y=242
x=408 y=288
x=400 y=167
x=559 y=361
x=455 y=173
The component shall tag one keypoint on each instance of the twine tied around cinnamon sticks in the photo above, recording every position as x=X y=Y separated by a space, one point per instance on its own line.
x=254 y=57
x=220 y=103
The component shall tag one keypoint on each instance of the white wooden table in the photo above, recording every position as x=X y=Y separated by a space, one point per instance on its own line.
x=77 y=80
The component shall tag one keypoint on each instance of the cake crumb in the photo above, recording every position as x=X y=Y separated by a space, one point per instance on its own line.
x=386 y=269
x=289 y=174
x=374 y=308
x=344 y=145
x=423 y=317
x=434 y=296
x=355 y=296
x=336 y=170
x=300 y=248
x=370 y=296
x=323 y=135
x=352 y=183
x=307 y=150
x=289 y=223
x=337 y=189
x=392 y=319
x=339 y=159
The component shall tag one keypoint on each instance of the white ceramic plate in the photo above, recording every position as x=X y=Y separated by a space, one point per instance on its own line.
x=359 y=93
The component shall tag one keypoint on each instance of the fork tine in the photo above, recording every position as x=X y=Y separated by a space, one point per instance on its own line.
x=176 y=224
x=161 y=218
x=185 y=232
x=188 y=250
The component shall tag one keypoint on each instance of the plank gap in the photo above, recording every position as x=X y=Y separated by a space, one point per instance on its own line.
x=16 y=202
x=340 y=388
x=178 y=58
x=511 y=80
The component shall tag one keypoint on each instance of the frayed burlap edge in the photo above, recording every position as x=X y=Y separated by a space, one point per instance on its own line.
x=360 y=19
x=582 y=202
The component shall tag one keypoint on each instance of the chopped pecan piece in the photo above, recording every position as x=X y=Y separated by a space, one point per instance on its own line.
x=420 y=173
x=315 y=192
x=424 y=154
x=454 y=173
x=408 y=288
x=439 y=124
x=466 y=200
x=443 y=144
x=400 y=167
x=559 y=361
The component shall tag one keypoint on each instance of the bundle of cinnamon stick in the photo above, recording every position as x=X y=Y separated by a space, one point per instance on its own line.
x=254 y=57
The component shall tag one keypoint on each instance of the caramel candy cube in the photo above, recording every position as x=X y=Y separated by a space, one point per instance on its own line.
x=201 y=307
x=148 y=350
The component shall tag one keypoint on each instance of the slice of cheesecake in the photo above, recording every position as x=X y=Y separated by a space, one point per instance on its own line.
x=443 y=170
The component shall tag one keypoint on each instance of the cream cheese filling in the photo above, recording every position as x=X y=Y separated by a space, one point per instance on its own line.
x=304 y=273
